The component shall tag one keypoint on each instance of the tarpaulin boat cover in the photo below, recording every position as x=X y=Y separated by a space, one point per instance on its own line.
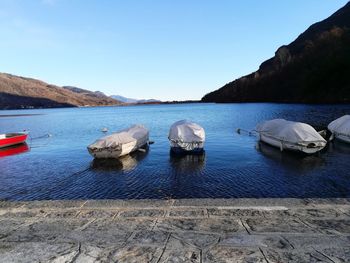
x=186 y=131
x=341 y=126
x=132 y=134
x=289 y=131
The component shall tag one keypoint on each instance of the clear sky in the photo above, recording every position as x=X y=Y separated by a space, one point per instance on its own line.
x=163 y=49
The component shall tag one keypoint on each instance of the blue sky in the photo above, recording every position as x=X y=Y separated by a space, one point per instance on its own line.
x=169 y=50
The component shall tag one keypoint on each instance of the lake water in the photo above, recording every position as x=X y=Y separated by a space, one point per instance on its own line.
x=233 y=165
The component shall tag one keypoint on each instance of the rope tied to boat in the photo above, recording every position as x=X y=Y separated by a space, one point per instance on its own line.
x=47 y=135
x=44 y=136
x=281 y=146
x=250 y=133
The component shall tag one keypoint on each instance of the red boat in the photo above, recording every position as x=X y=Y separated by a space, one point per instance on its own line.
x=9 y=139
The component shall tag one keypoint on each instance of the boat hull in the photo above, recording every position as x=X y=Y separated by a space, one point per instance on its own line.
x=289 y=146
x=340 y=128
x=187 y=147
x=7 y=140
x=342 y=138
x=179 y=150
x=116 y=149
x=117 y=152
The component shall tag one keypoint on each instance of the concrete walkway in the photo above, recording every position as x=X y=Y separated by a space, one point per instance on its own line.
x=198 y=230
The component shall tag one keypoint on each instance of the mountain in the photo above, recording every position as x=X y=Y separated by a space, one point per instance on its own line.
x=124 y=99
x=315 y=68
x=94 y=94
x=129 y=100
x=148 y=101
x=20 y=92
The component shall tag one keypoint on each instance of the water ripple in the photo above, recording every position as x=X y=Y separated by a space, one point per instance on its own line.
x=232 y=166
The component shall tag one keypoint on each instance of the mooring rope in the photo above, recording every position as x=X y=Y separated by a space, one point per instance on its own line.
x=250 y=133
x=47 y=135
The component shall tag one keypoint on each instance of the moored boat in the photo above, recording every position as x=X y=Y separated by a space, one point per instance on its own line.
x=120 y=143
x=10 y=139
x=290 y=135
x=340 y=128
x=186 y=137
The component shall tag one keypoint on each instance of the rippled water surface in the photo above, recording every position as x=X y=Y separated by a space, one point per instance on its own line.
x=233 y=165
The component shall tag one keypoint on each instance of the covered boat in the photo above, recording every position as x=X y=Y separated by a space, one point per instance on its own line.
x=120 y=143
x=340 y=128
x=290 y=135
x=186 y=136
x=10 y=139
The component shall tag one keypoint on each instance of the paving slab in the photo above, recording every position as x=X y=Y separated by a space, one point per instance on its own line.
x=45 y=230
x=247 y=212
x=177 y=250
x=127 y=203
x=345 y=210
x=198 y=240
x=54 y=204
x=317 y=241
x=244 y=202
x=281 y=225
x=190 y=230
x=149 y=237
x=188 y=213
x=9 y=204
x=243 y=240
x=207 y=225
x=8 y=226
x=319 y=213
x=231 y=254
x=142 y=213
x=37 y=251
x=133 y=254
x=295 y=256
x=60 y=214
x=97 y=214
x=331 y=225
x=339 y=254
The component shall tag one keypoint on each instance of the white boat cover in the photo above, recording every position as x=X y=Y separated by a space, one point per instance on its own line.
x=290 y=131
x=187 y=132
x=132 y=134
x=341 y=126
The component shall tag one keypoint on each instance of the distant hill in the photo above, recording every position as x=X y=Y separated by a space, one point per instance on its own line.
x=20 y=92
x=315 y=68
x=93 y=94
x=130 y=100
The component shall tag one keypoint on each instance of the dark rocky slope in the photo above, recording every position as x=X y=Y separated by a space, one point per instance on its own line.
x=315 y=68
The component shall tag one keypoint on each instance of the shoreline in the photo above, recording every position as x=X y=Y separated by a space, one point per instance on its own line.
x=179 y=230
x=177 y=103
x=20 y=115
x=189 y=202
x=101 y=106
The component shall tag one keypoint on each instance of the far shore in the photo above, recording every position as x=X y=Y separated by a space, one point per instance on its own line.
x=19 y=115
x=90 y=106
x=160 y=103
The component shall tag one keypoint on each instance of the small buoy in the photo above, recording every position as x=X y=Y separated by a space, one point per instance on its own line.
x=238 y=131
x=104 y=130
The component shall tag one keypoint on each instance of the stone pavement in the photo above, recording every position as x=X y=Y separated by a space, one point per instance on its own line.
x=197 y=230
